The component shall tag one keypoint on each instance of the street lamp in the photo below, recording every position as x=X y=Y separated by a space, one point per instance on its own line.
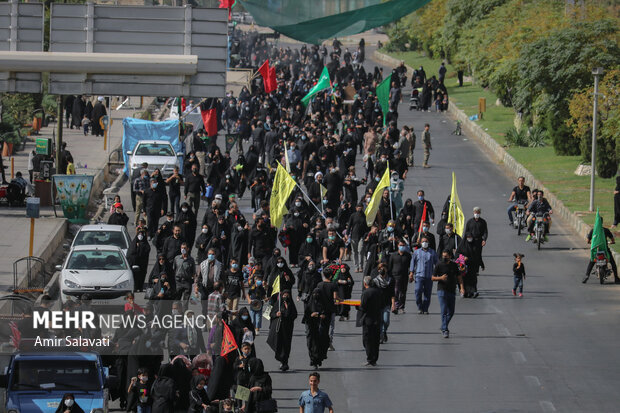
x=597 y=71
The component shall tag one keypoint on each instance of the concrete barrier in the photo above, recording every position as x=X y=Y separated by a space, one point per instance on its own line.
x=497 y=152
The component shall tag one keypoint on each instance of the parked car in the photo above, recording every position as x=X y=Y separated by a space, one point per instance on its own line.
x=158 y=154
x=103 y=234
x=98 y=270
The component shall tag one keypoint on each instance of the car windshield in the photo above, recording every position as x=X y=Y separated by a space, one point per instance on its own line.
x=62 y=374
x=96 y=260
x=154 y=149
x=113 y=238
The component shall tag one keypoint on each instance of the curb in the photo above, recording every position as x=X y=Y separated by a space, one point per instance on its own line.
x=497 y=153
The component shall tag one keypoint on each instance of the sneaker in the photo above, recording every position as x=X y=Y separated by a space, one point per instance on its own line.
x=401 y=311
x=331 y=347
x=528 y=238
x=514 y=292
x=257 y=332
x=284 y=367
x=420 y=312
x=585 y=279
x=385 y=337
x=446 y=334
x=520 y=294
x=476 y=294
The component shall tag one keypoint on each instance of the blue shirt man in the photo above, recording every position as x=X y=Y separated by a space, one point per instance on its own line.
x=423 y=262
x=314 y=400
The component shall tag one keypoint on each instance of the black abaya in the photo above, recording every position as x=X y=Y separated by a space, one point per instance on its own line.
x=281 y=329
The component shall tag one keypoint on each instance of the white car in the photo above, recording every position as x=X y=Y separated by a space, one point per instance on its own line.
x=98 y=270
x=158 y=154
x=103 y=234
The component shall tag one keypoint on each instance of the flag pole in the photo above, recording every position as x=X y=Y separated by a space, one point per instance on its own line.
x=391 y=205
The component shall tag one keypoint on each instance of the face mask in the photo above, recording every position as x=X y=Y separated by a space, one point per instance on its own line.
x=421 y=198
x=296 y=214
x=476 y=216
x=234 y=266
x=446 y=259
x=69 y=402
x=246 y=353
x=402 y=248
x=155 y=185
x=144 y=379
x=425 y=245
x=470 y=239
x=297 y=204
x=331 y=237
x=377 y=179
x=205 y=230
x=280 y=264
x=259 y=283
x=325 y=201
x=195 y=171
x=309 y=240
x=311 y=267
x=140 y=237
x=211 y=257
x=425 y=229
x=448 y=231
x=169 y=220
x=183 y=251
x=390 y=229
x=184 y=209
x=245 y=317
x=175 y=312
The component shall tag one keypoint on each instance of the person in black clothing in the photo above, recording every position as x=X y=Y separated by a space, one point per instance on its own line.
x=345 y=283
x=449 y=240
x=609 y=238
x=418 y=207
x=186 y=219
x=283 y=315
x=261 y=242
x=163 y=232
x=417 y=236
x=174 y=183
x=68 y=404
x=520 y=194
x=163 y=391
x=472 y=259
x=138 y=254
x=446 y=275
x=139 y=392
x=386 y=284
x=307 y=280
x=198 y=398
x=477 y=227
x=518 y=271
x=309 y=251
x=314 y=316
x=259 y=384
x=153 y=206
x=333 y=248
x=119 y=217
x=172 y=245
x=194 y=187
x=370 y=320
x=329 y=297
x=356 y=230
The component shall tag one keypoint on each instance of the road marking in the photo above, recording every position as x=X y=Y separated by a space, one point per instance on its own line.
x=495 y=309
x=518 y=357
x=547 y=406
x=502 y=330
x=532 y=381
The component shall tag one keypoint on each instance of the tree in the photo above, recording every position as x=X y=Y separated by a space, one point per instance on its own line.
x=608 y=122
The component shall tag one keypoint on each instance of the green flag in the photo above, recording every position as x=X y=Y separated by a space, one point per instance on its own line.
x=322 y=84
x=383 y=94
x=599 y=242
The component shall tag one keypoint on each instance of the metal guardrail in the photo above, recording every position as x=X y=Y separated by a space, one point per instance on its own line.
x=30 y=274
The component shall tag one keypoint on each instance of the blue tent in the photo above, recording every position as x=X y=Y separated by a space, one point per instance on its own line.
x=135 y=130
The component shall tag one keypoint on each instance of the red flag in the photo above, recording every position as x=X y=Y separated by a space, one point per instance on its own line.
x=264 y=72
x=208 y=111
x=227 y=4
x=16 y=336
x=423 y=218
x=272 y=82
x=228 y=341
x=183 y=104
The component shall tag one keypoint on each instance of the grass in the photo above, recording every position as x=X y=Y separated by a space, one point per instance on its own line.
x=556 y=172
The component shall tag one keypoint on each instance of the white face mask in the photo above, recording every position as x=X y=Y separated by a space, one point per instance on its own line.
x=183 y=251
x=140 y=237
x=448 y=231
x=280 y=264
x=425 y=245
x=69 y=402
x=476 y=216
x=184 y=209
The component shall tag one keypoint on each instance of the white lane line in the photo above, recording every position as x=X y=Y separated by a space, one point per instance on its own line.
x=495 y=309
x=502 y=330
x=518 y=357
x=532 y=381
x=547 y=406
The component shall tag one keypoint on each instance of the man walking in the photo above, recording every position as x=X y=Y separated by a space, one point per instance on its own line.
x=426 y=143
x=139 y=185
x=184 y=274
x=477 y=227
x=370 y=318
x=314 y=400
x=421 y=270
x=385 y=284
x=398 y=266
x=194 y=186
x=446 y=274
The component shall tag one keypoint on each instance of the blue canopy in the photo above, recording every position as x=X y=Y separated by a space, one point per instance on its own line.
x=135 y=130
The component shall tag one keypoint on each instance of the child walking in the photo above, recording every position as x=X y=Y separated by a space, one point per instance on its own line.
x=518 y=269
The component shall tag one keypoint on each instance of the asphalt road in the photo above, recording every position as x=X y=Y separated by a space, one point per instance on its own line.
x=552 y=350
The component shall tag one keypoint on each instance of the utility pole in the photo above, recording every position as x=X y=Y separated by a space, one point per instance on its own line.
x=59 y=120
x=597 y=71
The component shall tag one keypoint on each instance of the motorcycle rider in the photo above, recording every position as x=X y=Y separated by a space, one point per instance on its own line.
x=539 y=206
x=520 y=194
x=609 y=237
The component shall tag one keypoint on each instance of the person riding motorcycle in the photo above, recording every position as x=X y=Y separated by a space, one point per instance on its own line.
x=609 y=237
x=520 y=194
x=539 y=206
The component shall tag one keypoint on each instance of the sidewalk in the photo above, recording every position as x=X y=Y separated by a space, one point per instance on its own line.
x=50 y=231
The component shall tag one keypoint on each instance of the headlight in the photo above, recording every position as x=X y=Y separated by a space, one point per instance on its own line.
x=71 y=284
x=121 y=285
x=96 y=411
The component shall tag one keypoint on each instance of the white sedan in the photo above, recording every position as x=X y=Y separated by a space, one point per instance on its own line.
x=158 y=154
x=99 y=271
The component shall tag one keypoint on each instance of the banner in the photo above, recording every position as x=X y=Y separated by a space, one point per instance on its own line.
x=383 y=94
x=73 y=192
x=599 y=242
x=455 y=213
x=322 y=84
x=373 y=205
x=228 y=341
x=283 y=185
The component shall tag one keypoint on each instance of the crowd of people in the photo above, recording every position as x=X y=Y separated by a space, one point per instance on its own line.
x=241 y=269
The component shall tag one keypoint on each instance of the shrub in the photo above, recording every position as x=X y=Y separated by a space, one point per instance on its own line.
x=516 y=137
x=536 y=137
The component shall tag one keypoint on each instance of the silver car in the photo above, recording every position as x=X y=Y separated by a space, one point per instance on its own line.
x=158 y=154
x=98 y=270
x=103 y=234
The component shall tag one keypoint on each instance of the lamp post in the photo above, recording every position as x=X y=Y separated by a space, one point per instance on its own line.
x=597 y=71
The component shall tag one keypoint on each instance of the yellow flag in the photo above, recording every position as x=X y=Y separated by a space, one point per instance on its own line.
x=323 y=190
x=276 y=286
x=283 y=185
x=373 y=205
x=455 y=213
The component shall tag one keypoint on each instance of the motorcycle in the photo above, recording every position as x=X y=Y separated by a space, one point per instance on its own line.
x=518 y=214
x=602 y=269
x=539 y=228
